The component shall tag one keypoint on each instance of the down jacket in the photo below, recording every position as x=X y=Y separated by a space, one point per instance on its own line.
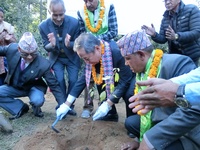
x=187 y=26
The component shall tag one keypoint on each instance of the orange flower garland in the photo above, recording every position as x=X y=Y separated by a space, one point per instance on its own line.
x=98 y=80
x=101 y=15
x=153 y=70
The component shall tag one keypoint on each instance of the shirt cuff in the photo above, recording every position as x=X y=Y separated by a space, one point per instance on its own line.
x=71 y=99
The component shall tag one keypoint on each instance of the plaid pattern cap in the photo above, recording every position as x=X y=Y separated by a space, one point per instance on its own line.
x=132 y=42
x=27 y=42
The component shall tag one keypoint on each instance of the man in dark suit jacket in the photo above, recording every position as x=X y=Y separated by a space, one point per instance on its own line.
x=28 y=75
x=58 y=34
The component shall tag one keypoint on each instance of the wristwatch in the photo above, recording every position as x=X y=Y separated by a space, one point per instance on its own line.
x=176 y=36
x=180 y=99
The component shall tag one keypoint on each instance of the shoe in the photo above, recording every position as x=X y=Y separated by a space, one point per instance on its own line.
x=37 y=111
x=110 y=117
x=5 y=125
x=86 y=114
x=23 y=110
x=71 y=112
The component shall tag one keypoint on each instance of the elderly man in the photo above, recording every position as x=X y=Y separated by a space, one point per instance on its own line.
x=148 y=62
x=101 y=58
x=180 y=27
x=26 y=75
x=58 y=33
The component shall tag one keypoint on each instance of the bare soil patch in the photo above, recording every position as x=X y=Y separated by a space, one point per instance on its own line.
x=32 y=133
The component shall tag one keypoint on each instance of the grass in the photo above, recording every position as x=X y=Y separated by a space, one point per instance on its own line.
x=22 y=126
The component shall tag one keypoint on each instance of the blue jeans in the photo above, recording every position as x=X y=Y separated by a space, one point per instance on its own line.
x=12 y=105
x=59 y=70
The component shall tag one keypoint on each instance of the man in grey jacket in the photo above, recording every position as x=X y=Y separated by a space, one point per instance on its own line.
x=180 y=27
x=154 y=130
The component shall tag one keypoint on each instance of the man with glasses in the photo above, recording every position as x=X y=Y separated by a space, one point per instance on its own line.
x=28 y=75
x=58 y=33
x=180 y=27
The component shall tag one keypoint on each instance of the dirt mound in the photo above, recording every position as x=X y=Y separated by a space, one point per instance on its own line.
x=76 y=134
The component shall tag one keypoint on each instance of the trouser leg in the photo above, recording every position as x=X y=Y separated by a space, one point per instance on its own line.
x=8 y=101
x=89 y=97
x=132 y=124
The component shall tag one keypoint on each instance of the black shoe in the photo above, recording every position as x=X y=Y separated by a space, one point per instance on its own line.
x=37 y=111
x=71 y=112
x=110 y=117
x=23 y=110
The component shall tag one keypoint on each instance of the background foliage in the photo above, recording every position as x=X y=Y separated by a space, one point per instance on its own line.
x=26 y=15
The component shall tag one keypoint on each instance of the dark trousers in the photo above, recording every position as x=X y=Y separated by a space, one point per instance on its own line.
x=132 y=124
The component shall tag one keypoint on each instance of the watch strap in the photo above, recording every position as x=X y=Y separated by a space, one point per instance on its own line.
x=181 y=91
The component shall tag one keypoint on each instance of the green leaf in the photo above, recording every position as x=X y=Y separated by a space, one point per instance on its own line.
x=112 y=87
x=102 y=96
x=103 y=86
x=117 y=77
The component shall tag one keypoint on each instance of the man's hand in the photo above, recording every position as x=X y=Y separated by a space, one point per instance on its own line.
x=143 y=146
x=102 y=111
x=134 y=145
x=169 y=33
x=52 y=39
x=62 y=110
x=159 y=93
x=149 y=30
x=67 y=40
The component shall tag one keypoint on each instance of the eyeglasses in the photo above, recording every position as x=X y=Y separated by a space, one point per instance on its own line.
x=34 y=54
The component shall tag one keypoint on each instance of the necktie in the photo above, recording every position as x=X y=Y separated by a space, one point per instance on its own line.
x=22 y=65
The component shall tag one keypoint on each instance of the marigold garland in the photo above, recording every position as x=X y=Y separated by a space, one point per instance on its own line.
x=153 y=70
x=100 y=20
x=99 y=80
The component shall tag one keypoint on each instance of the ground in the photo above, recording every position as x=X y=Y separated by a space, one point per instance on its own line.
x=32 y=133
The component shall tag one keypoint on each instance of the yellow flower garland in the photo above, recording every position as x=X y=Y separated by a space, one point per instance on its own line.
x=153 y=70
x=98 y=80
x=101 y=15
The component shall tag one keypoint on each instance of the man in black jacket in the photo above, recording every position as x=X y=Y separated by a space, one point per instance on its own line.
x=27 y=71
x=180 y=27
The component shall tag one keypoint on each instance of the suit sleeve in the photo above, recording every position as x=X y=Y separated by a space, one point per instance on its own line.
x=172 y=128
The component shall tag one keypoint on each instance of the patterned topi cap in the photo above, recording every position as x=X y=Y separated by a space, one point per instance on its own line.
x=27 y=42
x=132 y=42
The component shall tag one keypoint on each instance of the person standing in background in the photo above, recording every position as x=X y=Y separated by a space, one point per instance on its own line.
x=6 y=37
x=180 y=27
x=58 y=33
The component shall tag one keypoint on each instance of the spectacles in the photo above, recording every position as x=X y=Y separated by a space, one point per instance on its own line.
x=34 y=54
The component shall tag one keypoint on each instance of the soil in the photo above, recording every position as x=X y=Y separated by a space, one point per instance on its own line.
x=75 y=133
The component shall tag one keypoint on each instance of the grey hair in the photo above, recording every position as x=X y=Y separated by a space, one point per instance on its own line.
x=54 y=2
x=87 y=41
